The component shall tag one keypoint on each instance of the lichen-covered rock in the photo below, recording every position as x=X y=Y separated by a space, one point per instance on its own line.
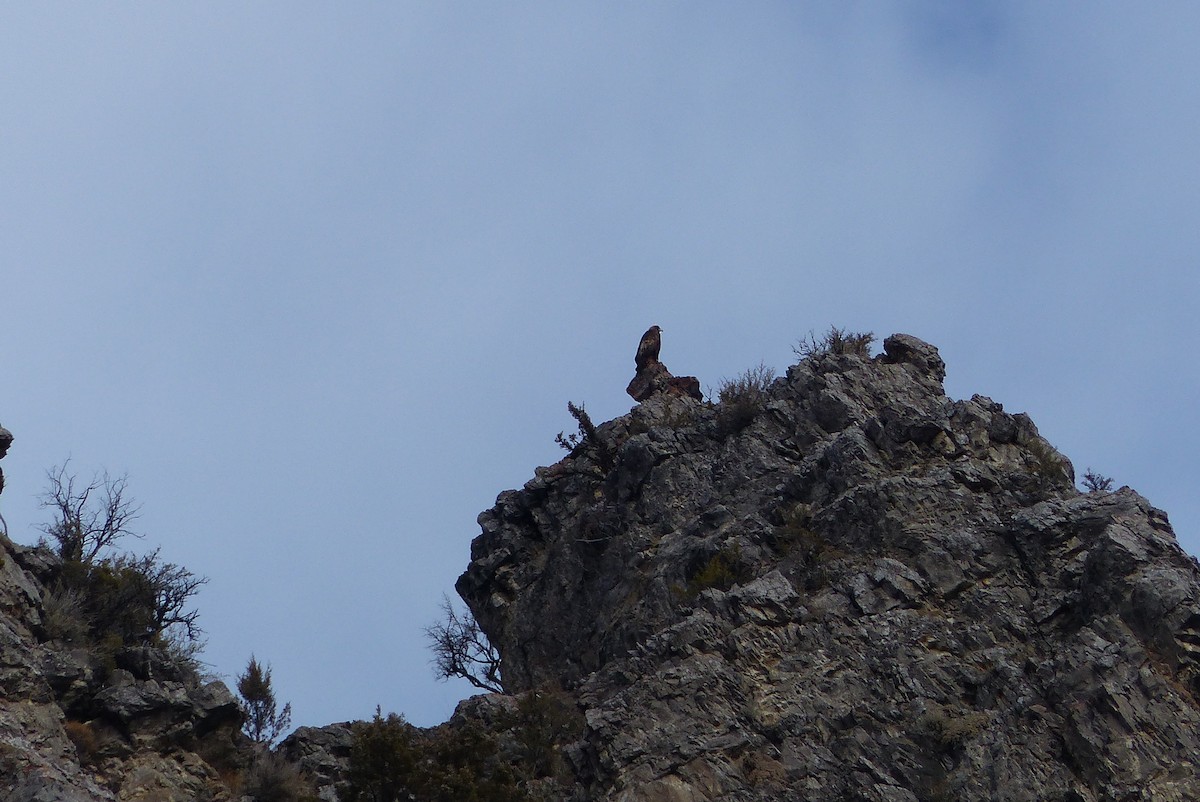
x=866 y=591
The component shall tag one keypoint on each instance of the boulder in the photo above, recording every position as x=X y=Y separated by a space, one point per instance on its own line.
x=654 y=378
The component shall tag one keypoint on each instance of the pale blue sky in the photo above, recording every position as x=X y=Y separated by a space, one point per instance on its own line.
x=322 y=277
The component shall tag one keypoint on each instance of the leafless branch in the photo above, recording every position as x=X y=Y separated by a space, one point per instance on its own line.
x=461 y=649
x=89 y=519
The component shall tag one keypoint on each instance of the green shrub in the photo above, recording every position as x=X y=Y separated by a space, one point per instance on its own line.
x=586 y=439
x=383 y=760
x=264 y=723
x=722 y=571
x=63 y=616
x=134 y=598
x=390 y=761
x=545 y=720
x=465 y=767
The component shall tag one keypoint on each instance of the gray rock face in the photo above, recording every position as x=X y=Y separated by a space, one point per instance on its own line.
x=322 y=753
x=871 y=591
x=74 y=727
x=6 y=439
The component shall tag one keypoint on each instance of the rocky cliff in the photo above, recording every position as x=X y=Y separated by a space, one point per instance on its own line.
x=845 y=585
x=86 y=721
x=836 y=585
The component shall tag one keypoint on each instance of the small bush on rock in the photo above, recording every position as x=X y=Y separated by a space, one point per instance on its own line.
x=950 y=728
x=1096 y=483
x=63 y=616
x=741 y=399
x=587 y=438
x=105 y=600
x=382 y=760
x=722 y=571
x=1048 y=465
x=835 y=341
x=271 y=778
x=545 y=720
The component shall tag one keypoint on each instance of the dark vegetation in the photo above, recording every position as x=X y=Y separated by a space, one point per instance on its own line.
x=721 y=572
x=1095 y=482
x=103 y=598
x=271 y=778
x=740 y=399
x=518 y=758
x=460 y=649
x=390 y=761
x=586 y=439
x=835 y=341
x=264 y=722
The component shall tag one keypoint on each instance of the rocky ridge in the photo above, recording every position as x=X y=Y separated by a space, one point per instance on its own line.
x=845 y=586
x=837 y=585
x=77 y=723
x=86 y=722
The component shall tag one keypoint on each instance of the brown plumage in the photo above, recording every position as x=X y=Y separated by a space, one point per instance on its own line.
x=647 y=351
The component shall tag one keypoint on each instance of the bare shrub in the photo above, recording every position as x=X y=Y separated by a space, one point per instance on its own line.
x=742 y=398
x=98 y=595
x=84 y=738
x=172 y=588
x=835 y=341
x=461 y=649
x=63 y=615
x=271 y=778
x=88 y=518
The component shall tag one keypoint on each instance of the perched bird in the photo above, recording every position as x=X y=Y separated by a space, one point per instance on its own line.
x=648 y=348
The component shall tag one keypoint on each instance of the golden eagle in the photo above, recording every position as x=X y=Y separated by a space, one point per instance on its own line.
x=647 y=351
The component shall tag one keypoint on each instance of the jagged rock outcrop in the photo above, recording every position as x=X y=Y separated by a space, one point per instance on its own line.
x=850 y=586
x=323 y=753
x=78 y=722
x=652 y=377
x=839 y=585
x=6 y=439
